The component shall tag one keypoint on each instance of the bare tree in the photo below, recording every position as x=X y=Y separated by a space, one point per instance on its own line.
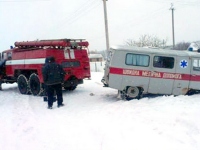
x=131 y=42
x=93 y=52
x=182 y=45
x=147 y=40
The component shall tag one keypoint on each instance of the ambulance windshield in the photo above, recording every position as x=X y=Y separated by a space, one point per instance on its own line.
x=109 y=56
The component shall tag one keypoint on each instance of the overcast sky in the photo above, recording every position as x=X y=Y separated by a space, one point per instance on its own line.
x=23 y=20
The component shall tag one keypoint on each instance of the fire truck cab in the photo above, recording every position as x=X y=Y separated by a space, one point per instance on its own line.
x=23 y=63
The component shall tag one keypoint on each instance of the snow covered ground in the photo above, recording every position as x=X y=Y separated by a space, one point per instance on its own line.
x=94 y=119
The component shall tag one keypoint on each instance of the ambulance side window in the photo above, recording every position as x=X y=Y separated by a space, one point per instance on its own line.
x=137 y=60
x=163 y=62
x=196 y=65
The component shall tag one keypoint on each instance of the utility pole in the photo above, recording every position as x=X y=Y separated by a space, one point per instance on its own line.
x=172 y=8
x=106 y=24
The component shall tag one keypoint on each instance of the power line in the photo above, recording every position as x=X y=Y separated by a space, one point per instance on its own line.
x=24 y=1
x=74 y=16
x=80 y=13
x=83 y=7
x=145 y=18
x=187 y=2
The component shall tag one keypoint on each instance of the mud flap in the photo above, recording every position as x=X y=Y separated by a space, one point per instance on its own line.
x=121 y=95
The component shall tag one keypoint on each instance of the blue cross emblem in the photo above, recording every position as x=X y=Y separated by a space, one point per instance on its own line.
x=183 y=64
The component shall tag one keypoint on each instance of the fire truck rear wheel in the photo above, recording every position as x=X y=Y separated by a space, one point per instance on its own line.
x=22 y=84
x=133 y=92
x=34 y=84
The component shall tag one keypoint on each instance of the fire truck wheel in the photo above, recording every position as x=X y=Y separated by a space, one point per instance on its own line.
x=22 y=84
x=133 y=92
x=34 y=84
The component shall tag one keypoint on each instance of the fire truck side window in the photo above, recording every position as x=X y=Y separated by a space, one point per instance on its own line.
x=9 y=55
x=163 y=62
x=70 y=64
x=137 y=60
x=196 y=65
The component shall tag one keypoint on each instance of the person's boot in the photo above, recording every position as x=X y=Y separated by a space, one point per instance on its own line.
x=60 y=105
x=45 y=99
x=50 y=107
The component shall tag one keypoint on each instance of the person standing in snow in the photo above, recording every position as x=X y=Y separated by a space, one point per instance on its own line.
x=53 y=75
x=2 y=71
x=45 y=89
x=0 y=86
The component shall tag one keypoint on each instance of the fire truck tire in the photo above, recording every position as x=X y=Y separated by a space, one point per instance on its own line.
x=133 y=93
x=22 y=84
x=34 y=84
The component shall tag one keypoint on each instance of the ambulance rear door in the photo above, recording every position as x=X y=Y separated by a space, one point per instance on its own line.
x=182 y=75
x=195 y=74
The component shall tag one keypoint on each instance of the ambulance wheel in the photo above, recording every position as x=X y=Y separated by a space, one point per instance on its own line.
x=35 y=85
x=133 y=93
x=22 y=84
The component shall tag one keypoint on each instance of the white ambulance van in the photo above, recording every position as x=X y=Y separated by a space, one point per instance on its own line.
x=135 y=71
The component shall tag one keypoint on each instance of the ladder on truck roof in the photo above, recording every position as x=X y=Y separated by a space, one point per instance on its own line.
x=55 y=43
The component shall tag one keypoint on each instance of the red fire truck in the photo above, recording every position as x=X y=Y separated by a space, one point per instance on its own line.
x=23 y=63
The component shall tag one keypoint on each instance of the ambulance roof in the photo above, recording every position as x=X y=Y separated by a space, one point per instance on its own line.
x=155 y=51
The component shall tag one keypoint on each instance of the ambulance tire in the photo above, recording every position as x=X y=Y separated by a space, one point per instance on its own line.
x=22 y=84
x=133 y=93
x=35 y=85
x=191 y=92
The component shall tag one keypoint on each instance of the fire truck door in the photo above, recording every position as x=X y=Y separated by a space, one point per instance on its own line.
x=195 y=74
x=9 y=63
x=161 y=80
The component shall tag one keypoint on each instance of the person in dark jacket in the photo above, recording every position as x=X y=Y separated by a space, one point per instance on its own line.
x=47 y=60
x=2 y=71
x=53 y=75
x=0 y=86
